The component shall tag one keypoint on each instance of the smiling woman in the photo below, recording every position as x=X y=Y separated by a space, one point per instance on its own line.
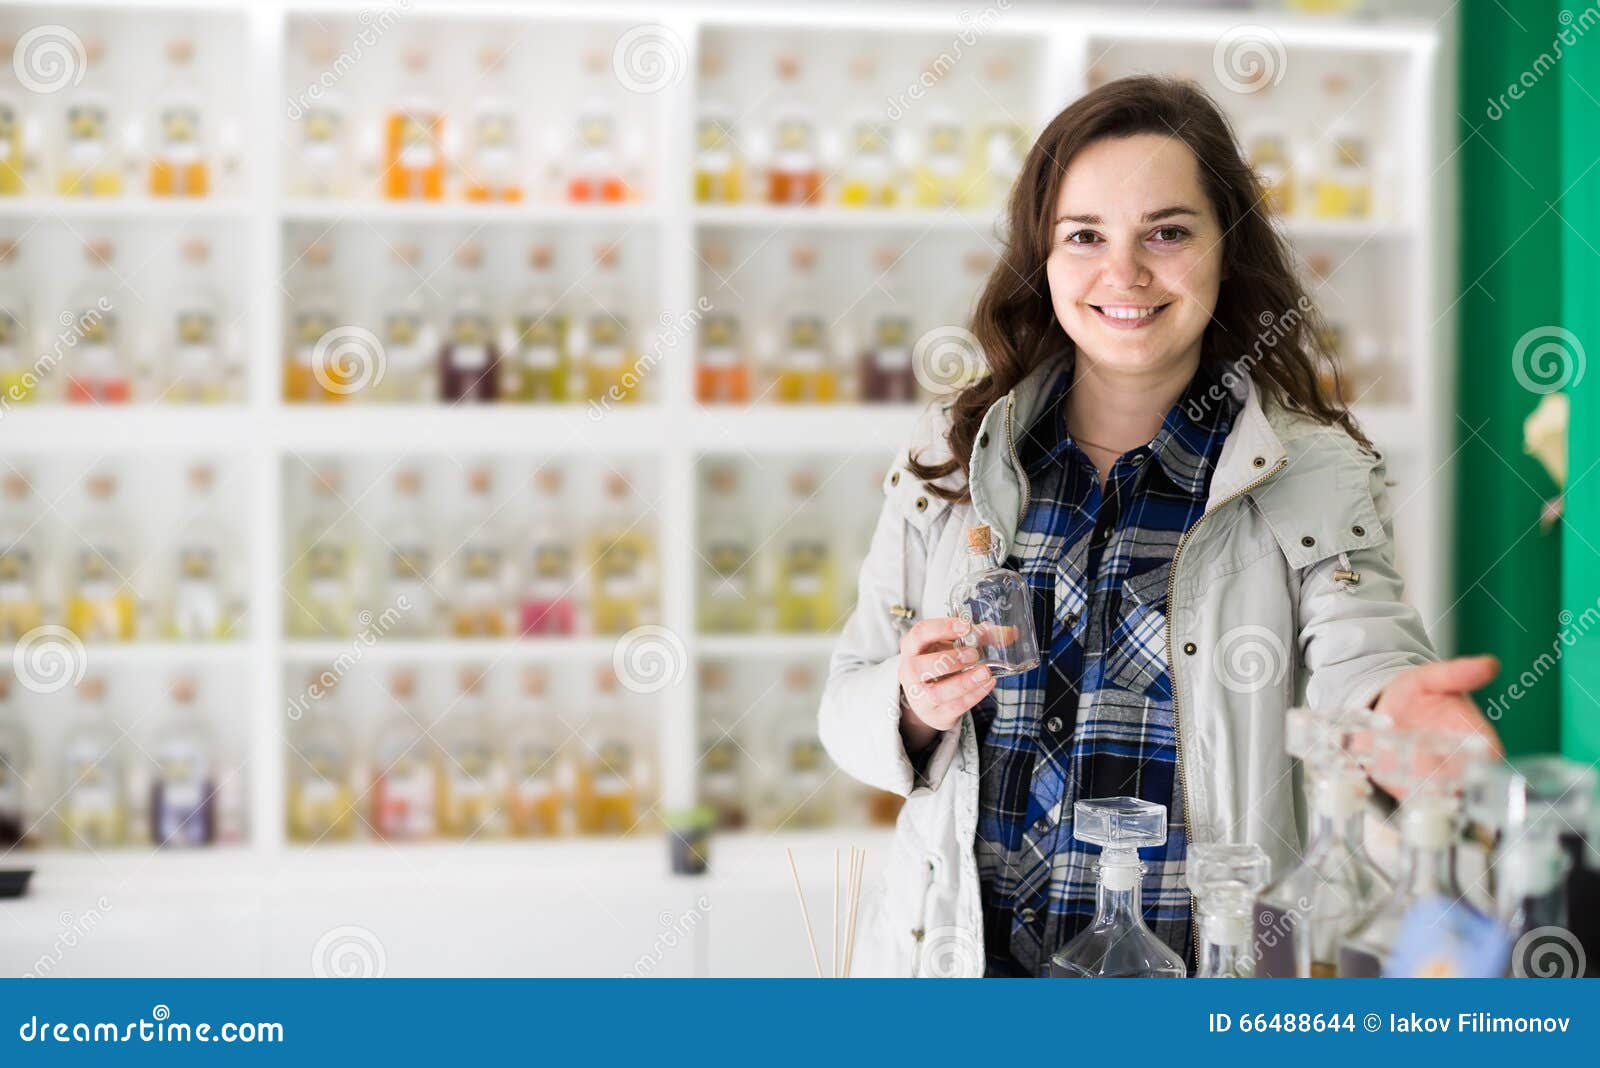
x=1203 y=534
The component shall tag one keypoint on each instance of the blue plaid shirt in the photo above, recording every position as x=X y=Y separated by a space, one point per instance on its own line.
x=1095 y=718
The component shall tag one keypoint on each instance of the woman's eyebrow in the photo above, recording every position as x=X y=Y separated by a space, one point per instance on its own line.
x=1149 y=216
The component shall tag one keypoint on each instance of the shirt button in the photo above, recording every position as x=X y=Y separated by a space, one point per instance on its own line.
x=1027 y=915
x=1138 y=458
x=1053 y=724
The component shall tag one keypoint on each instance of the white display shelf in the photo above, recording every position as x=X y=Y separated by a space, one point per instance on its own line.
x=766 y=646
x=452 y=651
x=135 y=208
x=380 y=212
x=165 y=654
x=833 y=217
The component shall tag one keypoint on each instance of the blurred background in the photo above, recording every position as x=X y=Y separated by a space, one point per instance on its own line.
x=439 y=439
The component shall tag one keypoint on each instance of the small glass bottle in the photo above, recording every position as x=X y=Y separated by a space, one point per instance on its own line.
x=100 y=368
x=179 y=163
x=887 y=375
x=723 y=783
x=323 y=604
x=1270 y=159
x=15 y=769
x=998 y=608
x=91 y=164
x=199 y=367
x=1001 y=145
x=414 y=132
x=1428 y=767
x=622 y=559
x=613 y=772
x=202 y=608
x=22 y=548
x=93 y=806
x=20 y=380
x=538 y=785
x=807 y=571
x=311 y=373
x=183 y=809
x=805 y=371
x=941 y=175
x=1225 y=879
x=320 y=797
x=407 y=332
x=871 y=174
x=1117 y=944
x=1302 y=918
x=539 y=346
x=611 y=373
x=322 y=166
x=406 y=577
x=547 y=602
x=721 y=375
x=804 y=790
x=794 y=175
x=471 y=776
x=727 y=595
x=494 y=163
x=480 y=587
x=595 y=172
x=405 y=769
x=14 y=162
x=469 y=361
x=101 y=602
x=718 y=159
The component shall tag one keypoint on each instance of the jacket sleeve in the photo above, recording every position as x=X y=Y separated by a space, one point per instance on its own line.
x=1356 y=637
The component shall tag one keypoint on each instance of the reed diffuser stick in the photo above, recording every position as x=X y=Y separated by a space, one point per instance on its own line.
x=804 y=913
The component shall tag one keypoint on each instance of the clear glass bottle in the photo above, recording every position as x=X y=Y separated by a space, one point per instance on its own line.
x=1117 y=944
x=413 y=160
x=803 y=791
x=1269 y=157
x=995 y=602
x=203 y=605
x=407 y=332
x=728 y=597
x=320 y=765
x=91 y=164
x=871 y=173
x=323 y=163
x=472 y=775
x=1001 y=145
x=1226 y=879
x=807 y=585
x=805 y=371
x=15 y=770
x=1429 y=768
x=180 y=164
x=22 y=548
x=885 y=370
x=494 y=159
x=405 y=769
x=794 y=173
x=315 y=310
x=723 y=779
x=612 y=373
x=20 y=380
x=469 y=360
x=405 y=581
x=93 y=805
x=101 y=602
x=14 y=162
x=1302 y=918
x=480 y=589
x=538 y=345
x=942 y=178
x=199 y=368
x=323 y=604
x=622 y=559
x=613 y=774
x=718 y=156
x=183 y=809
x=538 y=786
x=547 y=603
x=100 y=367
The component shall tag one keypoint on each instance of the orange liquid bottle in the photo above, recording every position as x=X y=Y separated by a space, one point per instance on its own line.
x=721 y=375
x=537 y=790
x=317 y=367
x=494 y=169
x=413 y=158
x=795 y=174
x=178 y=164
x=612 y=773
x=595 y=171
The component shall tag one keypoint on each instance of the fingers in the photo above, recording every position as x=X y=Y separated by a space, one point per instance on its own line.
x=928 y=632
x=931 y=666
x=941 y=704
x=1461 y=675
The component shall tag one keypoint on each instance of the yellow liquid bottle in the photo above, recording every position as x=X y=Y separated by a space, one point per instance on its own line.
x=612 y=775
x=871 y=176
x=323 y=599
x=539 y=343
x=728 y=598
x=494 y=162
x=480 y=594
x=807 y=585
x=471 y=778
x=93 y=805
x=718 y=170
x=622 y=556
x=21 y=548
x=942 y=175
x=1270 y=160
x=806 y=372
x=321 y=802
x=407 y=604
x=403 y=793
x=199 y=370
x=90 y=167
x=13 y=148
x=20 y=379
x=320 y=366
x=612 y=374
x=179 y=163
x=537 y=790
x=101 y=605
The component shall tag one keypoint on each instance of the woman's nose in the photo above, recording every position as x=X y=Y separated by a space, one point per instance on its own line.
x=1125 y=269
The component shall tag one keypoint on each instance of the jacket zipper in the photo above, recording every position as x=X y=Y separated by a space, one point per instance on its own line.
x=1016 y=463
x=1172 y=670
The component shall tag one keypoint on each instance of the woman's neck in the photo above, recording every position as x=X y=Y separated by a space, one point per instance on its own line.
x=1110 y=411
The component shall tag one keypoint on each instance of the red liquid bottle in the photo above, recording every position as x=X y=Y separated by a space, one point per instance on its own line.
x=545 y=603
x=469 y=361
x=887 y=374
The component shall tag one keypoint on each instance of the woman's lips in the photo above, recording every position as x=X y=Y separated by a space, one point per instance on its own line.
x=1128 y=316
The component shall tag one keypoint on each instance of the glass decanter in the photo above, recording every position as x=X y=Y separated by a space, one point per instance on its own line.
x=1303 y=916
x=1225 y=878
x=1117 y=944
x=1429 y=768
x=995 y=603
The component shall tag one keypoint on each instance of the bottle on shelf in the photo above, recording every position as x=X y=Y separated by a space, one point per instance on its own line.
x=871 y=173
x=1341 y=183
x=179 y=159
x=413 y=158
x=407 y=332
x=312 y=369
x=1269 y=157
x=203 y=607
x=101 y=602
x=22 y=548
x=718 y=162
x=1302 y=918
x=1117 y=944
x=323 y=601
x=480 y=588
x=886 y=372
x=14 y=161
x=1001 y=145
x=595 y=172
x=728 y=595
x=721 y=375
x=183 y=794
x=405 y=584
x=612 y=374
x=406 y=768
x=19 y=378
x=807 y=579
x=538 y=345
x=93 y=805
x=613 y=771
x=805 y=371
x=794 y=173
x=1226 y=878
x=321 y=797
x=538 y=789
x=16 y=767
x=622 y=557
x=99 y=369
x=804 y=791
x=943 y=174
x=548 y=601
x=322 y=167
x=199 y=367
x=1429 y=768
x=723 y=784
x=493 y=163
x=469 y=361
x=472 y=778
x=91 y=164
x=996 y=605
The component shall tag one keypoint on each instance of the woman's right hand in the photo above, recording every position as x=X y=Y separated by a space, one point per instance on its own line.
x=938 y=683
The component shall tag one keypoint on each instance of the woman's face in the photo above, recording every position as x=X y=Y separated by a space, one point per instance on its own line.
x=1136 y=255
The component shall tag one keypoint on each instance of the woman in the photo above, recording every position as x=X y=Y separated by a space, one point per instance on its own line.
x=1204 y=531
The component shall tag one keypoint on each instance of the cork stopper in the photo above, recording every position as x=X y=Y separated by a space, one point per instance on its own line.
x=196 y=251
x=491 y=58
x=594 y=61
x=407 y=253
x=885 y=257
x=325 y=481
x=99 y=253
x=803 y=483
x=798 y=677
x=616 y=486
x=415 y=60
x=408 y=483
x=183 y=689
x=92 y=688
x=540 y=256
x=863 y=67
x=8 y=249
x=606 y=254
x=101 y=486
x=535 y=682
x=16 y=485
x=469 y=255
x=402 y=684
x=548 y=480
x=723 y=478
x=5 y=687
x=711 y=63
x=978 y=538
x=605 y=679
x=318 y=254
x=998 y=69
x=713 y=676
x=470 y=678
x=802 y=258
x=787 y=66
x=480 y=481
x=202 y=477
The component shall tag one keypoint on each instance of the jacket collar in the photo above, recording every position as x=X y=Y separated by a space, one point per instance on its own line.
x=1252 y=452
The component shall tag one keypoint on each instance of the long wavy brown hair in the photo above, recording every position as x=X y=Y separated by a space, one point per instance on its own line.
x=1264 y=324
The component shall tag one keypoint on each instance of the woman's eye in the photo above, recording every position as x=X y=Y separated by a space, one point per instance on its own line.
x=1171 y=233
x=1082 y=237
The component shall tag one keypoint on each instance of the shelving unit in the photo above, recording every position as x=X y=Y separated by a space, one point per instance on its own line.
x=1056 y=47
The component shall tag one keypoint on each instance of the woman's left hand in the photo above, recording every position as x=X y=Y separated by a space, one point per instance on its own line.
x=1436 y=697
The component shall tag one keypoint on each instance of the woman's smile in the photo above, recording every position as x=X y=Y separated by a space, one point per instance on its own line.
x=1129 y=316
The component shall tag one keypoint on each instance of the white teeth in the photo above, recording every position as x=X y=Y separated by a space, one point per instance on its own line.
x=1128 y=313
